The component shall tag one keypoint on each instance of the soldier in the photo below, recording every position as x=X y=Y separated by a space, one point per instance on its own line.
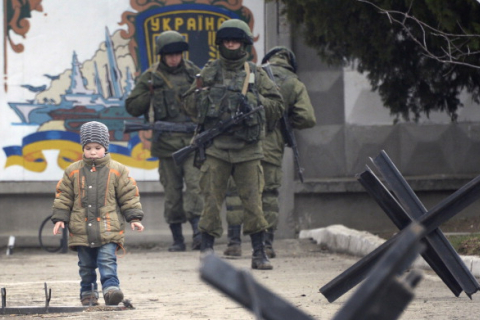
x=226 y=82
x=300 y=114
x=158 y=94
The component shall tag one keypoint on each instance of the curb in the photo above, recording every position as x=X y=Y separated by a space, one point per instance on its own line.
x=340 y=239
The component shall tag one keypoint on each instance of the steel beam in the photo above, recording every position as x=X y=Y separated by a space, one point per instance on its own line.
x=401 y=219
x=241 y=287
x=41 y=310
x=49 y=309
x=450 y=262
x=430 y=220
x=383 y=295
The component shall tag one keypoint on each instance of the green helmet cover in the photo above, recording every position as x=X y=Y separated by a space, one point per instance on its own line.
x=170 y=42
x=234 y=29
x=282 y=50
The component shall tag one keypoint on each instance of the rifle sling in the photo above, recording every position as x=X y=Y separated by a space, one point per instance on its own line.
x=151 y=113
x=247 y=78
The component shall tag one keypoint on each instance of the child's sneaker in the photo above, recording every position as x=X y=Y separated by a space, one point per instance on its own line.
x=113 y=297
x=89 y=301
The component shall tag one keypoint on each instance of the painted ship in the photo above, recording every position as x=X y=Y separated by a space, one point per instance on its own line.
x=79 y=105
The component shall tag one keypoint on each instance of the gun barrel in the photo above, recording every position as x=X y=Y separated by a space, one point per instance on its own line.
x=135 y=126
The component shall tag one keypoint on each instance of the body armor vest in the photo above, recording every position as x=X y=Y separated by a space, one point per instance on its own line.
x=167 y=93
x=222 y=99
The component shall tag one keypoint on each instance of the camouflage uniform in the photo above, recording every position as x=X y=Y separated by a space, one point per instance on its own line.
x=237 y=153
x=169 y=84
x=301 y=116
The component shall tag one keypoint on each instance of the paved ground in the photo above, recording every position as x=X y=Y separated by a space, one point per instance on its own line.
x=163 y=285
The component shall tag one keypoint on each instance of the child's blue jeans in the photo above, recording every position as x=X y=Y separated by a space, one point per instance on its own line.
x=103 y=258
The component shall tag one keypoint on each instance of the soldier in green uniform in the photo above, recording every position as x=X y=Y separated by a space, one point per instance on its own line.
x=236 y=153
x=300 y=114
x=157 y=95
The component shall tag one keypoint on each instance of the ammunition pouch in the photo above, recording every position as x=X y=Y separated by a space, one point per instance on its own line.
x=252 y=129
x=171 y=103
x=159 y=104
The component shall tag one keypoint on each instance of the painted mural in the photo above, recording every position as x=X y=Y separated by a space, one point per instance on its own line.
x=44 y=112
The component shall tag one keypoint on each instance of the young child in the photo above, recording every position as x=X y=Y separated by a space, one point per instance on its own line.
x=94 y=197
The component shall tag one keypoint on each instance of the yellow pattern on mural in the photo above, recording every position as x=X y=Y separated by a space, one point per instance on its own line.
x=31 y=156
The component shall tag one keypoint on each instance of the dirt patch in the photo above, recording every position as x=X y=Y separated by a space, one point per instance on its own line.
x=463 y=233
x=463 y=224
x=468 y=244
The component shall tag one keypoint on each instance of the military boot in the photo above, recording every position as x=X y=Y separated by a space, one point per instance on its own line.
x=234 y=246
x=259 y=258
x=197 y=236
x=207 y=242
x=178 y=240
x=269 y=243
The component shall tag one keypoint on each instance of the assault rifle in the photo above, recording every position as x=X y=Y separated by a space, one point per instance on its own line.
x=201 y=140
x=286 y=129
x=160 y=127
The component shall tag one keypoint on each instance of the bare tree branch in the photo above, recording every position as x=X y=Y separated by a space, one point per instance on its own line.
x=453 y=51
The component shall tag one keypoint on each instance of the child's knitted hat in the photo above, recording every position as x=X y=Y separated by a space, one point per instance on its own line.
x=94 y=131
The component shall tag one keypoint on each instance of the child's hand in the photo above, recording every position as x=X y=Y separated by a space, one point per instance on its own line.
x=137 y=225
x=58 y=225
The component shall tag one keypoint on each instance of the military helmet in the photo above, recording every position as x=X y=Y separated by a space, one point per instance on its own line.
x=288 y=53
x=234 y=29
x=170 y=42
